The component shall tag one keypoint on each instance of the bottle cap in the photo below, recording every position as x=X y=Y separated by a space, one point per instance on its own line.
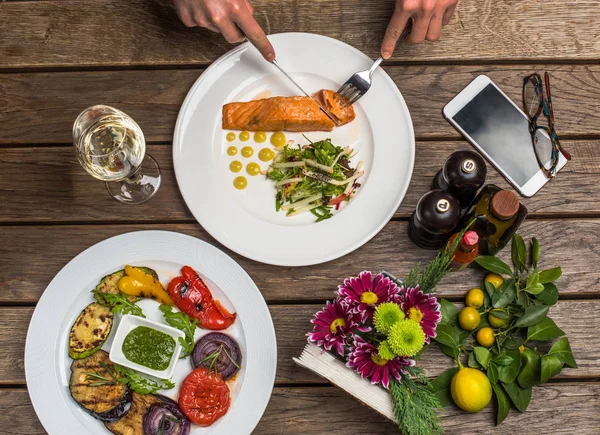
x=505 y=204
x=470 y=238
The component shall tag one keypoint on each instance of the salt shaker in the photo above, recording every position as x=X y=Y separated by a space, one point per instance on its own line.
x=434 y=220
x=462 y=175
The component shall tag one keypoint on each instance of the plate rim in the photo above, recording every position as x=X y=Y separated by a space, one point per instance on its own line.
x=267 y=329
x=317 y=259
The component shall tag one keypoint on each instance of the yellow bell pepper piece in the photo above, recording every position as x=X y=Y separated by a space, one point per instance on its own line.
x=145 y=284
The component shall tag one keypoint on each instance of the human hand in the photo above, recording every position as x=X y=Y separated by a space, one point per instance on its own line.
x=428 y=18
x=232 y=18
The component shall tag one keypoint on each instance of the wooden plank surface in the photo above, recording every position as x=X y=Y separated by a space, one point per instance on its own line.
x=74 y=33
x=563 y=408
x=578 y=319
x=38 y=108
x=47 y=179
x=32 y=255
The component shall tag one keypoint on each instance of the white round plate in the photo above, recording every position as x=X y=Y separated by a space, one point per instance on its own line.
x=246 y=221
x=47 y=363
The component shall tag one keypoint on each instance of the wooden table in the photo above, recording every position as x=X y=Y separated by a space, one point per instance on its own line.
x=58 y=57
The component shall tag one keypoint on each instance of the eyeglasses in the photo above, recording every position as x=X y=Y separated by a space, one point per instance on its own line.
x=544 y=138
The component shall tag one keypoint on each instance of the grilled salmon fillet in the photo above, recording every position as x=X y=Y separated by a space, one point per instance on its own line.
x=288 y=113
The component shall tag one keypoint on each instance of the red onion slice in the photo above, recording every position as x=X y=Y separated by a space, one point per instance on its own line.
x=165 y=418
x=218 y=351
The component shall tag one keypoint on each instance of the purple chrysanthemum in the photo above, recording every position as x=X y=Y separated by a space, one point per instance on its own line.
x=421 y=308
x=364 y=293
x=333 y=325
x=365 y=360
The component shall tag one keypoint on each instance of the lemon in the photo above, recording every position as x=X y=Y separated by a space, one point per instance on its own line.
x=485 y=336
x=469 y=318
x=494 y=279
x=496 y=322
x=474 y=298
x=521 y=348
x=471 y=390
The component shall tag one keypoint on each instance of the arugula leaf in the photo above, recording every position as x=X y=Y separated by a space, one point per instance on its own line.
x=120 y=304
x=139 y=383
x=184 y=323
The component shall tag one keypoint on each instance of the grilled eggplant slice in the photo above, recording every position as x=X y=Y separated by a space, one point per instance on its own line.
x=96 y=391
x=90 y=330
x=133 y=422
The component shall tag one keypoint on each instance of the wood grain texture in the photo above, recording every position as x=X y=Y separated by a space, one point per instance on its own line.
x=555 y=408
x=38 y=108
x=292 y=322
x=48 y=181
x=73 y=33
x=32 y=255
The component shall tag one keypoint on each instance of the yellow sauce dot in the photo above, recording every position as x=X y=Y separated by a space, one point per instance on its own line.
x=278 y=139
x=253 y=169
x=244 y=136
x=230 y=136
x=236 y=166
x=266 y=155
x=260 y=137
x=247 y=152
x=240 y=183
x=232 y=151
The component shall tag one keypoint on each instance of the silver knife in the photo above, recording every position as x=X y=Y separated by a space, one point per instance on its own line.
x=274 y=62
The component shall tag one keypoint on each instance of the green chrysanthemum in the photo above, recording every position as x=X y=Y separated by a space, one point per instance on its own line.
x=387 y=315
x=385 y=351
x=406 y=338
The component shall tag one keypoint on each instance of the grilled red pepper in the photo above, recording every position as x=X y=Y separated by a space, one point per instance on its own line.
x=192 y=296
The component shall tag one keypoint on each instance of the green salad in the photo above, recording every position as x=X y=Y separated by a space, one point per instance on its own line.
x=314 y=178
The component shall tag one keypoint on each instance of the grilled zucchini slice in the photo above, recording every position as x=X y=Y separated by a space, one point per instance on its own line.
x=90 y=330
x=105 y=400
x=132 y=422
x=109 y=284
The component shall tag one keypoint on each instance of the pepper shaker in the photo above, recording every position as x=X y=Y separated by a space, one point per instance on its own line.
x=434 y=220
x=462 y=175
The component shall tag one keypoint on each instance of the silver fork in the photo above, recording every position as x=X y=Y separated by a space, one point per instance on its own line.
x=360 y=82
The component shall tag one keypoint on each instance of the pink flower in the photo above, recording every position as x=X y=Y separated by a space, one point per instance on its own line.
x=364 y=293
x=421 y=308
x=365 y=360
x=333 y=325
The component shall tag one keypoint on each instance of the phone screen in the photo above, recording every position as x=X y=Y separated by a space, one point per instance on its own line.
x=502 y=132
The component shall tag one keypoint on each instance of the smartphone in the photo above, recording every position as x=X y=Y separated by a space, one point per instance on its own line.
x=499 y=130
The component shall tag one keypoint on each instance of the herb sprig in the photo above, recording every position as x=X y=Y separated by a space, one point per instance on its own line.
x=214 y=357
x=415 y=406
x=184 y=323
x=120 y=304
x=125 y=376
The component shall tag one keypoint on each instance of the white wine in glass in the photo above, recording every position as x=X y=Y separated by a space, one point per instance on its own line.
x=111 y=147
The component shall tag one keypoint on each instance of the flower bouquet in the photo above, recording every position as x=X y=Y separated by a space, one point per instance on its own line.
x=378 y=326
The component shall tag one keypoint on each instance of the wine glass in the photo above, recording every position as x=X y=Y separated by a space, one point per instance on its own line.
x=111 y=147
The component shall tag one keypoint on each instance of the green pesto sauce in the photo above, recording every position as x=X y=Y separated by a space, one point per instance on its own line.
x=149 y=348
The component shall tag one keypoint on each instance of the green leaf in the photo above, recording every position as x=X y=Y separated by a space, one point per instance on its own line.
x=502 y=402
x=509 y=372
x=472 y=361
x=562 y=350
x=492 y=373
x=502 y=360
x=530 y=374
x=550 y=275
x=550 y=294
x=551 y=366
x=520 y=397
x=500 y=314
x=493 y=264
x=450 y=351
x=533 y=315
x=533 y=279
x=449 y=313
x=489 y=288
x=447 y=335
x=535 y=251
x=440 y=386
x=544 y=331
x=513 y=342
x=505 y=294
x=462 y=335
x=535 y=289
x=519 y=253
x=483 y=356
